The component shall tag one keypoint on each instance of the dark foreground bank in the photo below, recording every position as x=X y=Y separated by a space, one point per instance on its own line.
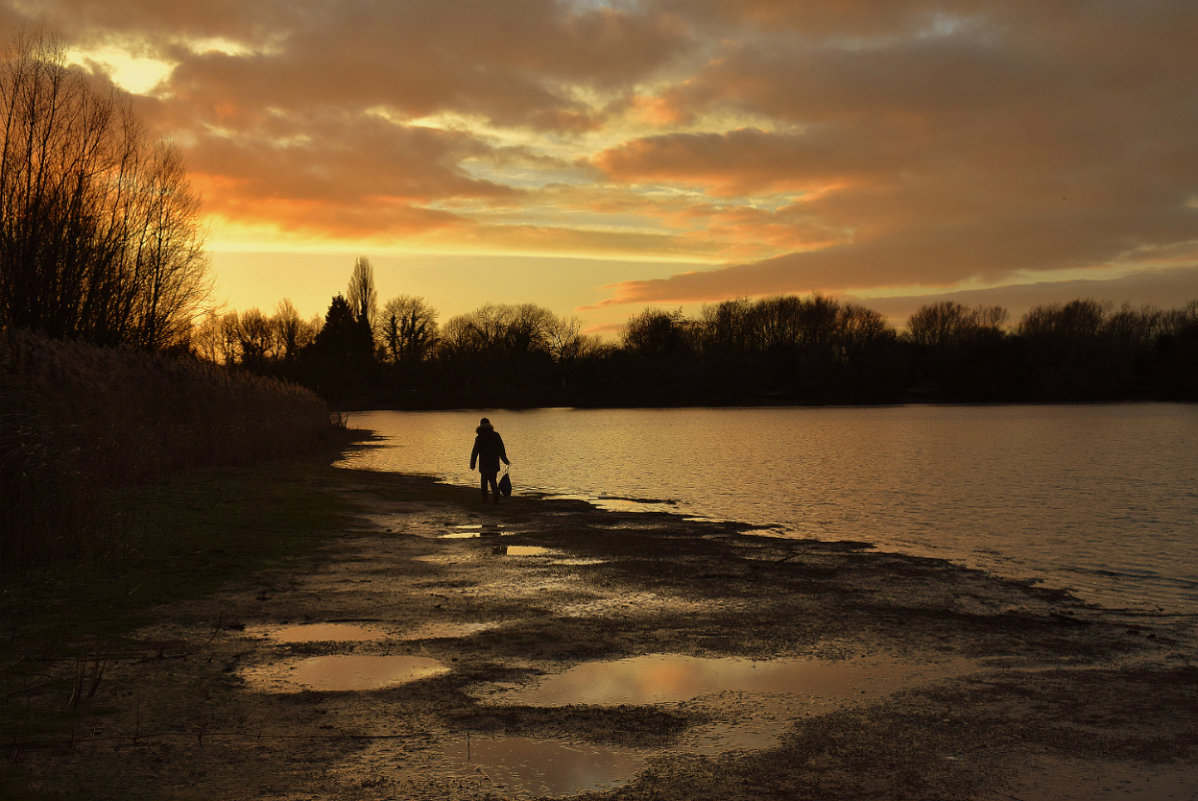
x=84 y=425
x=959 y=685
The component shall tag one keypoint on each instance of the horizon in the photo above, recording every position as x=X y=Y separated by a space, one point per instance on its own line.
x=600 y=158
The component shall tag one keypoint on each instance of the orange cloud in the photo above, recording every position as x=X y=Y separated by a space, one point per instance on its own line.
x=747 y=161
x=323 y=175
x=657 y=111
x=839 y=145
x=379 y=221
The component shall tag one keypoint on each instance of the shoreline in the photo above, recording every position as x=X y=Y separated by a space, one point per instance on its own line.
x=1048 y=693
x=1149 y=607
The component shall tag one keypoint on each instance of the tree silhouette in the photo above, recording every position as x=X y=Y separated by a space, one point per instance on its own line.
x=361 y=295
x=656 y=334
x=342 y=337
x=98 y=226
x=290 y=329
x=407 y=329
x=777 y=350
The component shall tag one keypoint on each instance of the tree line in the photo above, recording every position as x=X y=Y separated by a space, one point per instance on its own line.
x=785 y=349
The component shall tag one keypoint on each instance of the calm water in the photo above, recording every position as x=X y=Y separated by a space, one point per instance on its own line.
x=1100 y=499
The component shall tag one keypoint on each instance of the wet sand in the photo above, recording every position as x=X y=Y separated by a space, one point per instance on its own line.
x=441 y=648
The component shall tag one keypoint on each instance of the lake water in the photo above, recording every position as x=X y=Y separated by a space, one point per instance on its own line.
x=1100 y=499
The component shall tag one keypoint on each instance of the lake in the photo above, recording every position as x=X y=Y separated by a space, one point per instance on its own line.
x=1099 y=499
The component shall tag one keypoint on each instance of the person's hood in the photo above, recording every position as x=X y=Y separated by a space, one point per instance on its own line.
x=482 y=429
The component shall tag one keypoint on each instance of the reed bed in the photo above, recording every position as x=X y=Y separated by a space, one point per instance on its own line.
x=80 y=423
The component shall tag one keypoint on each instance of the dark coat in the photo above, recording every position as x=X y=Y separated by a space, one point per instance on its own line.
x=488 y=450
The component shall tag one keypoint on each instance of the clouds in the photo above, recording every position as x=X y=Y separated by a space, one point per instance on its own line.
x=320 y=124
x=981 y=148
x=841 y=146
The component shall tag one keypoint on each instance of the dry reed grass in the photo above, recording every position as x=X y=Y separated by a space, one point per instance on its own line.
x=78 y=422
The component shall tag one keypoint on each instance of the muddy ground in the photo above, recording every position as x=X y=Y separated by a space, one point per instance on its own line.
x=952 y=684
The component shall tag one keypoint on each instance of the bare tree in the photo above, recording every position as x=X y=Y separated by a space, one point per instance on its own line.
x=98 y=228
x=206 y=337
x=361 y=295
x=656 y=333
x=407 y=329
x=726 y=326
x=859 y=328
x=566 y=343
x=505 y=331
x=1073 y=321
x=229 y=341
x=950 y=324
x=1177 y=321
x=775 y=323
x=1134 y=327
x=164 y=260
x=288 y=329
x=256 y=337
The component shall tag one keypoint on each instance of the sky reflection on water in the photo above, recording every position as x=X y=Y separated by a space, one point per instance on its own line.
x=748 y=705
x=671 y=678
x=1099 y=498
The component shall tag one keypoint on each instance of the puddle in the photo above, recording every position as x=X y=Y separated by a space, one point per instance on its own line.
x=472 y=531
x=749 y=704
x=521 y=550
x=320 y=632
x=671 y=678
x=342 y=673
x=544 y=767
x=439 y=631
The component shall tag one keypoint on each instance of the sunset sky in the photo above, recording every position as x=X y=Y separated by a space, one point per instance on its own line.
x=601 y=157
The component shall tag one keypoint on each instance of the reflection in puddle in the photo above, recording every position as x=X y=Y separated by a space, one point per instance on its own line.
x=748 y=704
x=545 y=767
x=475 y=530
x=342 y=672
x=447 y=630
x=320 y=632
x=520 y=550
x=665 y=678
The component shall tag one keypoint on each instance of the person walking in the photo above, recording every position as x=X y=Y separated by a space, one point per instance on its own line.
x=488 y=451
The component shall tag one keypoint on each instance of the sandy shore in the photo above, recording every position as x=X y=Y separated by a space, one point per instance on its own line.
x=554 y=649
